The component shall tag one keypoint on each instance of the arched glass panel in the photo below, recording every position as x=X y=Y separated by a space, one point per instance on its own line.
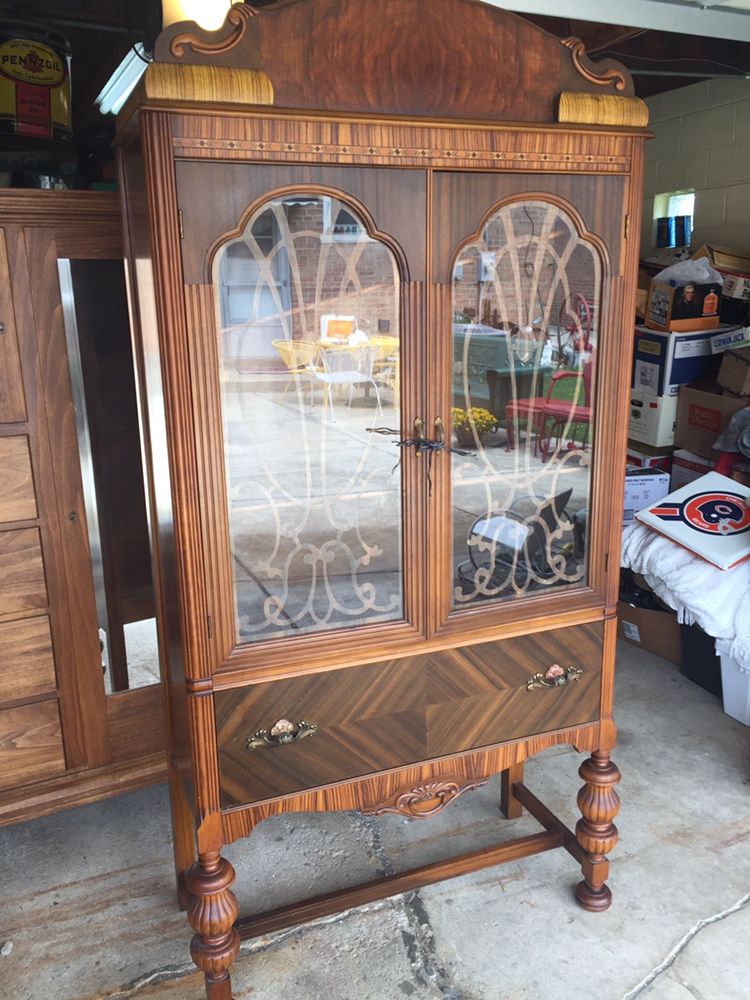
x=308 y=313
x=526 y=312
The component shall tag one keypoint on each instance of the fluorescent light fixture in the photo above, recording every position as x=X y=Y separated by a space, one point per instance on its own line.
x=118 y=88
x=209 y=14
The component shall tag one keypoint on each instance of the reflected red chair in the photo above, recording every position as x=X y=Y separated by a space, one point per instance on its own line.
x=547 y=416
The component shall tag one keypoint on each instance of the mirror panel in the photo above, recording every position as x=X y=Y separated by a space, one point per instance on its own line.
x=526 y=309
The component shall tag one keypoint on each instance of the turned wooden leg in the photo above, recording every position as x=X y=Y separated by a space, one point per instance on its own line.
x=510 y=807
x=212 y=911
x=596 y=833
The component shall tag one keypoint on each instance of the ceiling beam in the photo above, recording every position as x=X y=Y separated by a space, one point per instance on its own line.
x=661 y=15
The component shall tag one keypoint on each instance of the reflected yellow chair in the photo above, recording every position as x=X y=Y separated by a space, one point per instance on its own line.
x=299 y=356
x=387 y=370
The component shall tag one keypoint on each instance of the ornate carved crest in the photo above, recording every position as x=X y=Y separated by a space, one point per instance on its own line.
x=604 y=73
x=426 y=800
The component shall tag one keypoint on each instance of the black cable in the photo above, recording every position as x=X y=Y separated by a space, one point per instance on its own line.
x=684 y=59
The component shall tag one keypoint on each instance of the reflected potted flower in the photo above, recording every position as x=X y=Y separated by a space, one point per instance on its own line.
x=471 y=425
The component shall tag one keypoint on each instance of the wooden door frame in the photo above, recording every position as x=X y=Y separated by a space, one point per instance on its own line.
x=112 y=743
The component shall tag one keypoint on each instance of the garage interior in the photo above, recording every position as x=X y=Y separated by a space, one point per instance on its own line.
x=89 y=909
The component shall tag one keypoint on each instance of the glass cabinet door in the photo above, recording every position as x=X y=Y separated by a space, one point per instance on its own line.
x=308 y=319
x=526 y=312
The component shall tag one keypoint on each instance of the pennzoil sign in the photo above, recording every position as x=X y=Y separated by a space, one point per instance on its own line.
x=34 y=92
x=31 y=62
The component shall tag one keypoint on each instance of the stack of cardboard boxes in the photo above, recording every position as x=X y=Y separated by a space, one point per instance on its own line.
x=690 y=375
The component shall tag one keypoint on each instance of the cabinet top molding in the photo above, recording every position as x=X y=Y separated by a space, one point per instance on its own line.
x=434 y=58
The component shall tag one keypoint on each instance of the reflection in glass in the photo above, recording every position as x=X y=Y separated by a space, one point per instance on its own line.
x=308 y=313
x=526 y=307
x=103 y=384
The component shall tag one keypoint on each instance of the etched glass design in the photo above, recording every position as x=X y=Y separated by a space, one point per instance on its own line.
x=308 y=313
x=526 y=312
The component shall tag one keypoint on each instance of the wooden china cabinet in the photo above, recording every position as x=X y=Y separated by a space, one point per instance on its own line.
x=345 y=222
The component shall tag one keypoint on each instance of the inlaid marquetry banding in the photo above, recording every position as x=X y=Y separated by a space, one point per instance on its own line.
x=265 y=149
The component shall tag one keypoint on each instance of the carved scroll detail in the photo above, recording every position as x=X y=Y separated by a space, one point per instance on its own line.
x=588 y=70
x=425 y=800
x=238 y=19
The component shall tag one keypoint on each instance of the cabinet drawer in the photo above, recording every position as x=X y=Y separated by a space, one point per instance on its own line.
x=403 y=711
x=31 y=745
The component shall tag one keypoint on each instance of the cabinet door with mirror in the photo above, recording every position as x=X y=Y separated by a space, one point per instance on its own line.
x=312 y=522
x=528 y=327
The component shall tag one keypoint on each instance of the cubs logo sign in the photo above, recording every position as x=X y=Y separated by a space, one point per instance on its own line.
x=711 y=513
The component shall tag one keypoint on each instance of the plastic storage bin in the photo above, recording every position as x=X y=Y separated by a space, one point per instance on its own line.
x=735 y=682
x=700 y=664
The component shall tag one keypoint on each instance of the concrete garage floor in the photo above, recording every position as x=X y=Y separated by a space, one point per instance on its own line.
x=87 y=895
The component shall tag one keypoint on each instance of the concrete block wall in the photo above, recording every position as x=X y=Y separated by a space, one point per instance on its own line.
x=702 y=141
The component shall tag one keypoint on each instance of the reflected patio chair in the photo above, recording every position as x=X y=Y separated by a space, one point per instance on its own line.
x=299 y=357
x=347 y=366
x=520 y=550
x=386 y=368
x=550 y=415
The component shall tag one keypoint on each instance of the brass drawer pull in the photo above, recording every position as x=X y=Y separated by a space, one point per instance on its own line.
x=553 y=677
x=281 y=732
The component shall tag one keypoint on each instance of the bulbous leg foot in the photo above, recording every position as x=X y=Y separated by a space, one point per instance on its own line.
x=596 y=833
x=212 y=910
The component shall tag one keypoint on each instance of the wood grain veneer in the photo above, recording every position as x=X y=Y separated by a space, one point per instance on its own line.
x=17 y=499
x=27 y=663
x=31 y=746
x=22 y=583
x=12 y=402
x=402 y=711
x=406 y=57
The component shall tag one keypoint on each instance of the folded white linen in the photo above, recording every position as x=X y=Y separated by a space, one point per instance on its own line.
x=717 y=600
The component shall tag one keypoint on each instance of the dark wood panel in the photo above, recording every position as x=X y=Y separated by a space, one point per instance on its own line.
x=12 y=402
x=462 y=200
x=136 y=723
x=395 y=200
x=427 y=57
x=27 y=663
x=78 y=788
x=22 y=585
x=402 y=711
x=60 y=492
x=30 y=743
x=17 y=500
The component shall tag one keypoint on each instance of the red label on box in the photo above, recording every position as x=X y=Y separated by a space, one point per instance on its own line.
x=33 y=110
x=703 y=418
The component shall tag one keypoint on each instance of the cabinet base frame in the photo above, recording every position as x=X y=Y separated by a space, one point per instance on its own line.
x=556 y=834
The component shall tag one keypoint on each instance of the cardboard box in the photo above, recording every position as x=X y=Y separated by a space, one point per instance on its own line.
x=643 y=487
x=664 y=361
x=637 y=458
x=734 y=373
x=702 y=416
x=687 y=467
x=735 y=299
x=683 y=308
x=656 y=631
x=652 y=418
x=730 y=338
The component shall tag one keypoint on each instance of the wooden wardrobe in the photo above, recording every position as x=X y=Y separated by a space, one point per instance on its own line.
x=352 y=227
x=65 y=741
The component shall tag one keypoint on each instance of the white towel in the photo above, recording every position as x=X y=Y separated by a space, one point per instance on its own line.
x=717 y=600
